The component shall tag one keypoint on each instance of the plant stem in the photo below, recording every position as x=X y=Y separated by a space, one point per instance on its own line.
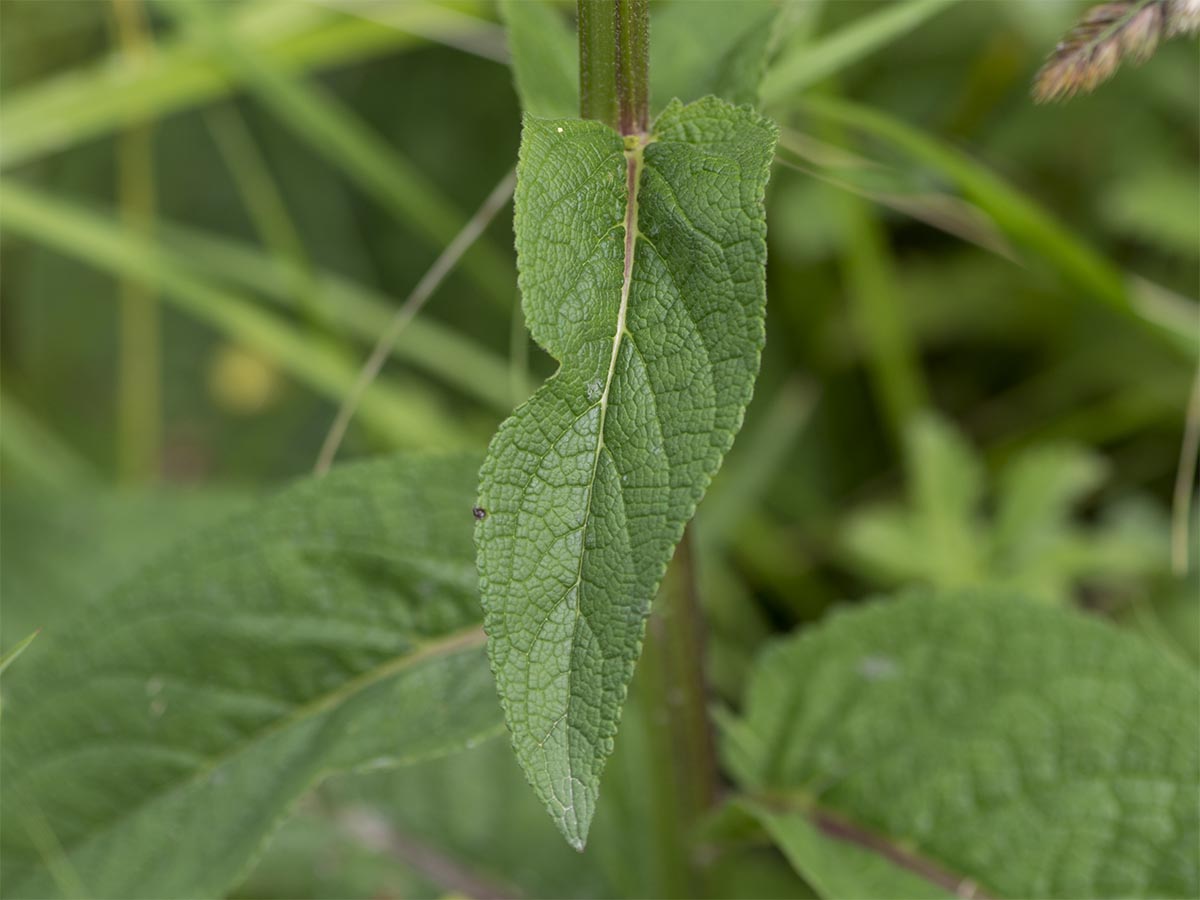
x=264 y=204
x=686 y=779
x=689 y=700
x=139 y=392
x=597 y=61
x=614 y=63
x=633 y=66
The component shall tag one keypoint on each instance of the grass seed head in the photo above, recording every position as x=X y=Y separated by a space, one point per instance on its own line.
x=1106 y=36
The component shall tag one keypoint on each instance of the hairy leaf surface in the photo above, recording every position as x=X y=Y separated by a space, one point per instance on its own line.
x=642 y=271
x=150 y=746
x=979 y=741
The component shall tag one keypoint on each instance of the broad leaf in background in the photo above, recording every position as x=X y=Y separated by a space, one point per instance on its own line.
x=467 y=825
x=642 y=271
x=464 y=825
x=1032 y=542
x=312 y=856
x=63 y=550
x=153 y=744
x=981 y=742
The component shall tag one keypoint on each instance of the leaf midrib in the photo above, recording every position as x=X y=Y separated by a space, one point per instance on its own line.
x=455 y=642
x=634 y=152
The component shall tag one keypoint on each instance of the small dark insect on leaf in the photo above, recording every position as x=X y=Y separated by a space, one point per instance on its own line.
x=480 y=512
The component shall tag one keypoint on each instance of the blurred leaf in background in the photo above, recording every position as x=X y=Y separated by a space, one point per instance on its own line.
x=961 y=736
x=1033 y=539
x=191 y=705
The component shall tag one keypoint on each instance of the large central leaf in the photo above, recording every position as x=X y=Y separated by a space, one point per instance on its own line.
x=642 y=270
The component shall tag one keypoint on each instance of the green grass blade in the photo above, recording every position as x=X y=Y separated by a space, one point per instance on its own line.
x=409 y=418
x=337 y=134
x=294 y=37
x=804 y=65
x=263 y=201
x=139 y=432
x=1023 y=221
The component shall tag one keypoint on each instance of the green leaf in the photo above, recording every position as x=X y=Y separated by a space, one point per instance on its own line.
x=947 y=484
x=473 y=814
x=588 y=486
x=470 y=819
x=838 y=868
x=980 y=742
x=1032 y=542
x=717 y=47
x=545 y=60
x=153 y=744
x=113 y=534
x=312 y=856
x=936 y=537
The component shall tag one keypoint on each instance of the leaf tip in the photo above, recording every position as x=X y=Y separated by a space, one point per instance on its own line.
x=574 y=822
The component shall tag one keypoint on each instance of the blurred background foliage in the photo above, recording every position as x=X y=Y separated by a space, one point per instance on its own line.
x=981 y=336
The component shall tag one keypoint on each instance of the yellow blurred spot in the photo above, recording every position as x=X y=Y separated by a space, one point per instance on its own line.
x=242 y=382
